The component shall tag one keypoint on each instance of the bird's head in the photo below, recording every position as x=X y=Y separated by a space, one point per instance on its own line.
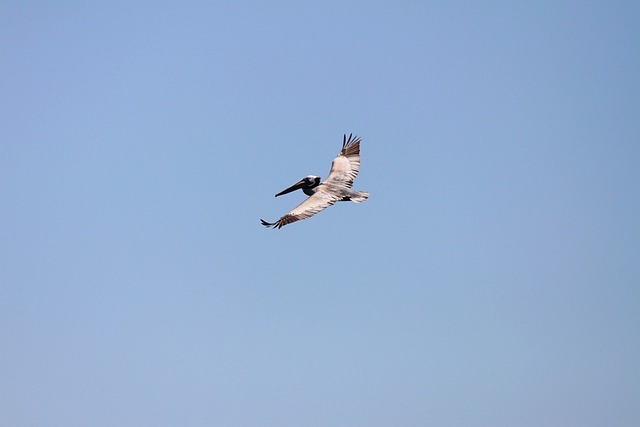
x=309 y=181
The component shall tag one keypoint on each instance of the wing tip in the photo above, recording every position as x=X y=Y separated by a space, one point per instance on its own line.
x=353 y=140
x=267 y=224
x=278 y=224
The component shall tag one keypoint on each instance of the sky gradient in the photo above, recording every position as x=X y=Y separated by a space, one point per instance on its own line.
x=491 y=279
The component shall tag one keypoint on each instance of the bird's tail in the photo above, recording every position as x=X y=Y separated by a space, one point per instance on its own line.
x=360 y=196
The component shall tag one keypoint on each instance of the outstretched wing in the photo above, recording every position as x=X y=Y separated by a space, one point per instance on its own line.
x=346 y=166
x=319 y=201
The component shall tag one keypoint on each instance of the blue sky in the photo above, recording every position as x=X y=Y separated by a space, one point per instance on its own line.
x=492 y=278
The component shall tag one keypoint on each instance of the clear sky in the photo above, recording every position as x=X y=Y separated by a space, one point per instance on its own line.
x=492 y=278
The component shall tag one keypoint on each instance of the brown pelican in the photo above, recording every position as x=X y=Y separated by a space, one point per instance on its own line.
x=337 y=187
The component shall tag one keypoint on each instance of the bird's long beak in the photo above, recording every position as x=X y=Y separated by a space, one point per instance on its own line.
x=294 y=187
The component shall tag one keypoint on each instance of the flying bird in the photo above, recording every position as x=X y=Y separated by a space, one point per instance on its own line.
x=336 y=188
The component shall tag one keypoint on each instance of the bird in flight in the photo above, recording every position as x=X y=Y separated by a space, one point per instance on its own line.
x=336 y=188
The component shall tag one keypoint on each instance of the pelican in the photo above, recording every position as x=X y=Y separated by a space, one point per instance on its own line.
x=336 y=188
